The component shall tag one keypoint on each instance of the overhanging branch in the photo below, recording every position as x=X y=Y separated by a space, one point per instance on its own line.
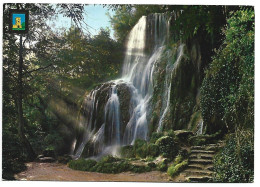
x=41 y=68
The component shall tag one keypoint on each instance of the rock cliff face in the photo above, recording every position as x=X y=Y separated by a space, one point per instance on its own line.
x=158 y=91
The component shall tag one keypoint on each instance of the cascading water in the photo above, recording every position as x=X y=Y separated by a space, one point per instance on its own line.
x=144 y=48
x=170 y=70
x=200 y=128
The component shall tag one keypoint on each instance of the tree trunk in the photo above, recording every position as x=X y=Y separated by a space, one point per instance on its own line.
x=24 y=140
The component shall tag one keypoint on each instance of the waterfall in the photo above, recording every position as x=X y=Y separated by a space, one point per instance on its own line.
x=112 y=117
x=200 y=128
x=145 y=45
x=170 y=70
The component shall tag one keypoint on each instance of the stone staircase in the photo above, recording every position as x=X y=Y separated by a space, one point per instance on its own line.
x=200 y=167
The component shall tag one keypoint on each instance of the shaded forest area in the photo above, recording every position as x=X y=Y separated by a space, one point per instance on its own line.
x=43 y=93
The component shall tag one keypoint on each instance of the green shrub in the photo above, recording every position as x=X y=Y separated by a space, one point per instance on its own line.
x=127 y=151
x=171 y=134
x=178 y=159
x=155 y=136
x=167 y=147
x=107 y=164
x=174 y=170
x=235 y=162
x=162 y=167
x=153 y=150
x=109 y=159
x=140 y=148
x=112 y=167
x=139 y=169
x=139 y=143
x=82 y=164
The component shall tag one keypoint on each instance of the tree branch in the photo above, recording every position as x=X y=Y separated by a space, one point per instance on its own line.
x=42 y=68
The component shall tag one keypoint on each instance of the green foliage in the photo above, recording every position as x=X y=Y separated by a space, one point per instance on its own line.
x=140 y=148
x=127 y=151
x=108 y=164
x=174 y=170
x=53 y=141
x=168 y=148
x=195 y=118
x=140 y=169
x=82 y=164
x=178 y=159
x=162 y=167
x=227 y=92
x=155 y=136
x=109 y=159
x=235 y=162
x=111 y=167
x=152 y=150
x=204 y=19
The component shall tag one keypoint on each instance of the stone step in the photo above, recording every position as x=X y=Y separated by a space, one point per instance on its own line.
x=190 y=172
x=202 y=155
x=205 y=148
x=195 y=166
x=210 y=167
x=202 y=151
x=201 y=161
x=201 y=166
x=198 y=178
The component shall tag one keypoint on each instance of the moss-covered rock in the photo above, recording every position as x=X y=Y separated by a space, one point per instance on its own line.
x=155 y=136
x=183 y=136
x=205 y=139
x=124 y=95
x=168 y=148
x=153 y=150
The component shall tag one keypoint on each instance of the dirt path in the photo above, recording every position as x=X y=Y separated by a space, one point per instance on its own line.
x=60 y=172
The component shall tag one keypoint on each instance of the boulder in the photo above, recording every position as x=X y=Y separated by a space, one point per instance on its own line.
x=183 y=134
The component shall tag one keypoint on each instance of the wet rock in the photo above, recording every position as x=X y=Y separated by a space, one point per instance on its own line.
x=124 y=94
x=168 y=148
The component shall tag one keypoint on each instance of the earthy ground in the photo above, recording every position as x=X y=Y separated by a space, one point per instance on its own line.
x=60 y=172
